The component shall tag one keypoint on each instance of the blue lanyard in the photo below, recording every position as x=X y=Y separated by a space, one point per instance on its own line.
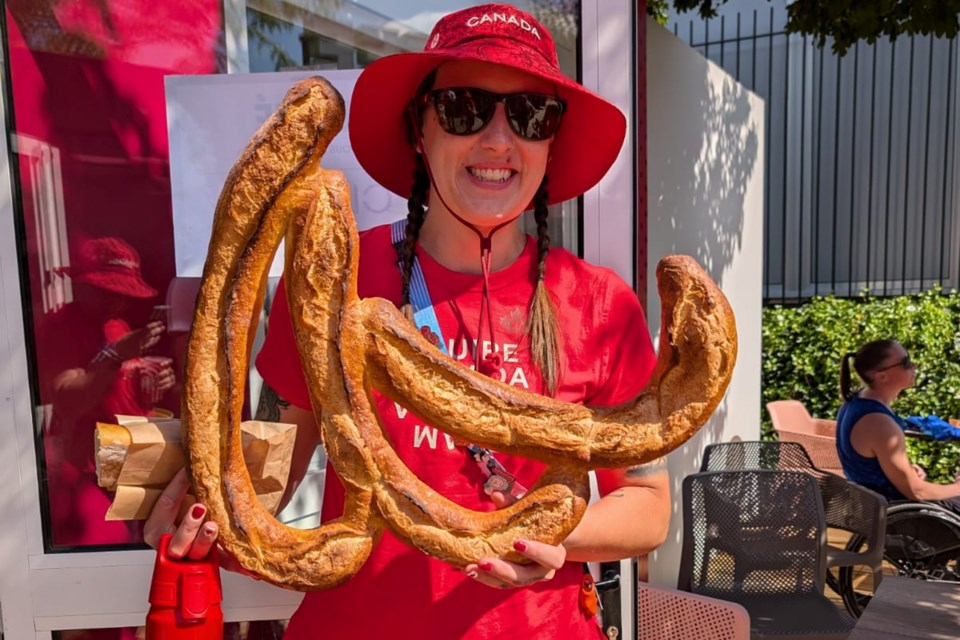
x=423 y=313
x=498 y=478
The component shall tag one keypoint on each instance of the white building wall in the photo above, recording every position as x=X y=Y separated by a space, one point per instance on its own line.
x=863 y=154
x=705 y=140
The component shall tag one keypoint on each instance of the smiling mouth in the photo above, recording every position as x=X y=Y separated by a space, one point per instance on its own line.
x=491 y=175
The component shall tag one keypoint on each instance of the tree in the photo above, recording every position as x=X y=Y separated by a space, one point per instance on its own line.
x=847 y=21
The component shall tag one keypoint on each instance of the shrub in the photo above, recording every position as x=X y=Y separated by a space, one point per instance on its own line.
x=802 y=347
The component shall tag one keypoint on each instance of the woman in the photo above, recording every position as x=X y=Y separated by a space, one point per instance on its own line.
x=475 y=130
x=870 y=437
x=94 y=367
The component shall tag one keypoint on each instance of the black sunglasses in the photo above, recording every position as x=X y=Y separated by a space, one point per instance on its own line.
x=904 y=363
x=463 y=111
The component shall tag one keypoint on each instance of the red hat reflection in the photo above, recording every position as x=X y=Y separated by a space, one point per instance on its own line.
x=112 y=264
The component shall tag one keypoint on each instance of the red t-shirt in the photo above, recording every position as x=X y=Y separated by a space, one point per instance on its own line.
x=607 y=358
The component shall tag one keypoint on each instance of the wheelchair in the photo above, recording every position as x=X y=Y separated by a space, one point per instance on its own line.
x=922 y=541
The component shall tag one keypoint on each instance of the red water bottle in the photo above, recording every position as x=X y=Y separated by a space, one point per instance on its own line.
x=185 y=597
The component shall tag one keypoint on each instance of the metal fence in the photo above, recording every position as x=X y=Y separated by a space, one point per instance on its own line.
x=861 y=166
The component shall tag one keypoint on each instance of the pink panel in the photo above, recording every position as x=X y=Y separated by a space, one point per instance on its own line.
x=88 y=110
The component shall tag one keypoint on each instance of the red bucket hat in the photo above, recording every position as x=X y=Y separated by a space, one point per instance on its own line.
x=111 y=264
x=586 y=144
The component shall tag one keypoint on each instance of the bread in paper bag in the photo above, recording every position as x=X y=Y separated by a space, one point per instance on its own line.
x=137 y=458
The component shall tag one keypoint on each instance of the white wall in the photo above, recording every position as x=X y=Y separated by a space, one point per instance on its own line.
x=860 y=148
x=705 y=141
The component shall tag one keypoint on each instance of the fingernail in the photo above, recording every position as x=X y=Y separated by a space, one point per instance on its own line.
x=472 y=574
x=520 y=546
x=485 y=566
x=197 y=511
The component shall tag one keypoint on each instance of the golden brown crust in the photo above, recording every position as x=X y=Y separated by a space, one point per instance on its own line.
x=350 y=347
x=111 y=442
x=274 y=178
x=697 y=353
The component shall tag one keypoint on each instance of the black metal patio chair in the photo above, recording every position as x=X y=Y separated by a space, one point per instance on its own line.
x=757 y=537
x=847 y=506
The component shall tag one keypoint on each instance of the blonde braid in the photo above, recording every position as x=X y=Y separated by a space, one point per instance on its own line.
x=543 y=328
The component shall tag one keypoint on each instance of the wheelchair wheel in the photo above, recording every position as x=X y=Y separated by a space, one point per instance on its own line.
x=922 y=542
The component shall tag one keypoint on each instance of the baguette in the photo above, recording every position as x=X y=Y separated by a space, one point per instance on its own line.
x=110 y=442
x=276 y=175
x=349 y=346
x=136 y=460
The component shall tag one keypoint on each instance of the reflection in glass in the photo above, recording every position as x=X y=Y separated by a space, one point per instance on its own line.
x=86 y=81
x=93 y=366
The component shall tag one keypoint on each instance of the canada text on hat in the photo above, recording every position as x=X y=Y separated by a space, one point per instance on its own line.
x=498 y=21
x=506 y=18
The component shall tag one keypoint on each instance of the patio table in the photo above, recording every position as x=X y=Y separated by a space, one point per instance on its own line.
x=907 y=608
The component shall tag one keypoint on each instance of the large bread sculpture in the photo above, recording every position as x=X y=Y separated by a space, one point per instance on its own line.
x=349 y=346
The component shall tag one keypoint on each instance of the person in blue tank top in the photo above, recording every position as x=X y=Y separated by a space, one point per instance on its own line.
x=870 y=438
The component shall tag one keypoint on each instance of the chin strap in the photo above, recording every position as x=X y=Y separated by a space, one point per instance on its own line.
x=490 y=363
x=425 y=318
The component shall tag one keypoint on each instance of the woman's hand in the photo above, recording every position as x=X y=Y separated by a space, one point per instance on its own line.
x=499 y=573
x=136 y=343
x=193 y=537
x=166 y=379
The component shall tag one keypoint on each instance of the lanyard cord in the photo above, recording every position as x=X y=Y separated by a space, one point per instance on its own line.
x=498 y=478
x=491 y=362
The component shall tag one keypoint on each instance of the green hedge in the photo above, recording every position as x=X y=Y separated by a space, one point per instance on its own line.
x=802 y=347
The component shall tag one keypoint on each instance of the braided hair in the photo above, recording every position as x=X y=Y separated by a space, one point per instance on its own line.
x=542 y=326
x=416 y=214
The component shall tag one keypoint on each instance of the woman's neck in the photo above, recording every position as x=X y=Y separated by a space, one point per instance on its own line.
x=457 y=246
x=883 y=396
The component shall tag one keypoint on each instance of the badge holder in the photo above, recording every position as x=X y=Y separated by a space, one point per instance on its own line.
x=498 y=478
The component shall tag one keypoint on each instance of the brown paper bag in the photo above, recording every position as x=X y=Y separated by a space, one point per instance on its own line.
x=137 y=457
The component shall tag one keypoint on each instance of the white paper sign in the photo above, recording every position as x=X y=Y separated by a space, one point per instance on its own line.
x=211 y=118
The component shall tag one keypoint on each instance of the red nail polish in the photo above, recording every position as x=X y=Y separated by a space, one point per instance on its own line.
x=485 y=566
x=197 y=511
x=520 y=546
